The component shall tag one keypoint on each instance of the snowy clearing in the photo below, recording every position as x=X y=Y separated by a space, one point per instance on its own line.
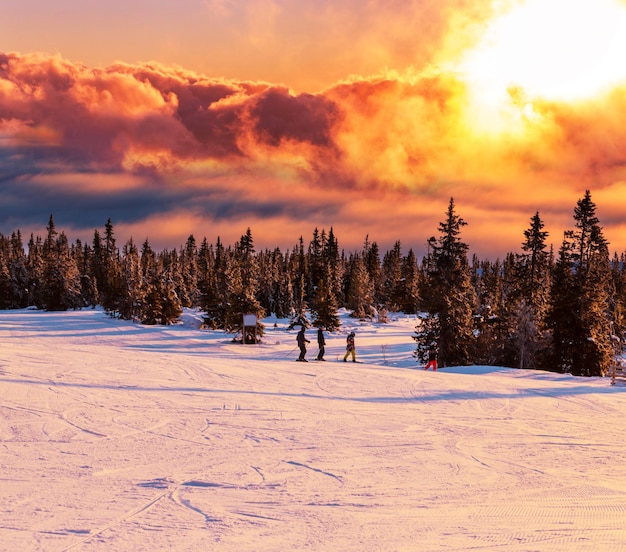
x=116 y=436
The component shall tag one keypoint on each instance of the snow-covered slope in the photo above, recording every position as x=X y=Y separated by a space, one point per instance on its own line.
x=116 y=436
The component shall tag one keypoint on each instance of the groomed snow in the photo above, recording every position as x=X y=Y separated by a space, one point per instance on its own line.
x=120 y=437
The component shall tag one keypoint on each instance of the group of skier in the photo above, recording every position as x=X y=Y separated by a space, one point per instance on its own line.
x=350 y=348
x=321 y=343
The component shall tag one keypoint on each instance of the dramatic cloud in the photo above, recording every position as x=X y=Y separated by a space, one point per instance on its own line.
x=167 y=152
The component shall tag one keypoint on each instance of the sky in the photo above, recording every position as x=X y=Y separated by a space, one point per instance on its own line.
x=208 y=117
x=120 y=436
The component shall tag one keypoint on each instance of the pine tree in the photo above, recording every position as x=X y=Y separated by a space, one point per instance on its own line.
x=88 y=287
x=580 y=297
x=448 y=295
x=334 y=264
x=618 y=305
x=106 y=269
x=371 y=259
x=61 y=278
x=214 y=284
x=241 y=273
x=6 y=291
x=18 y=271
x=150 y=311
x=35 y=266
x=410 y=284
x=169 y=282
x=360 y=290
x=393 y=286
x=299 y=271
x=534 y=269
x=563 y=317
x=190 y=292
x=133 y=300
x=530 y=291
x=325 y=303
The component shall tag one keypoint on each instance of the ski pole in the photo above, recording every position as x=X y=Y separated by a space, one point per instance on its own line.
x=289 y=353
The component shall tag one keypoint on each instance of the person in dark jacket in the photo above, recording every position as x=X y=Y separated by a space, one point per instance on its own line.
x=302 y=341
x=321 y=342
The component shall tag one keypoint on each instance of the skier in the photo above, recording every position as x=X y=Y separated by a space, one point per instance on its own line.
x=432 y=357
x=350 y=349
x=321 y=342
x=302 y=341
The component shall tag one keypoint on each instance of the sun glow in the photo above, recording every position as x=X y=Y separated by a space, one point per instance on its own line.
x=553 y=49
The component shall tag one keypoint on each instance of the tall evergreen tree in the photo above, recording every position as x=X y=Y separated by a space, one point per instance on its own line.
x=325 y=303
x=448 y=295
x=242 y=279
x=106 y=269
x=190 y=293
x=61 y=278
x=371 y=259
x=360 y=289
x=6 y=288
x=35 y=266
x=534 y=268
x=532 y=281
x=410 y=284
x=18 y=271
x=299 y=268
x=393 y=286
x=580 y=297
x=133 y=299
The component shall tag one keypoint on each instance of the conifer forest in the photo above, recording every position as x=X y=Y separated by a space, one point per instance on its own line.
x=539 y=309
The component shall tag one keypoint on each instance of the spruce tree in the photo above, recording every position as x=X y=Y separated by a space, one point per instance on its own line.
x=6 y=291
x=530 y=291
x=360 y=289
x=242 y=277
x=534 y=268
x=150 y=311
x=410 y=283
x=580 y=316
x=211 y=283
x=190 y=293
x=334 y=263
x=371 y=258
x=61 y=278
x=35 y=266
x=133 y=299
x=393 y=287
x=18 y=271
x=325 y=303
x=448 y=295
x=299 y=270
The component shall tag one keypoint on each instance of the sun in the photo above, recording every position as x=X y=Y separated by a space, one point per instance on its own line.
x=553 y=49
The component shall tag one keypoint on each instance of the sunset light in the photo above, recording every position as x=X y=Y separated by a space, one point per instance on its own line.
x=289 y=116
x=554 y=49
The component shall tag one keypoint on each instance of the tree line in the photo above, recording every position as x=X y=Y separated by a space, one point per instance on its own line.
x=537 y=309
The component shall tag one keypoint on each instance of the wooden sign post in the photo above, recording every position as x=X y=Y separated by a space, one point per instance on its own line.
x=249 y=321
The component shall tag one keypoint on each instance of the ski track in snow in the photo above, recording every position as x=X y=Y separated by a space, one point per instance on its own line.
x=116 y=436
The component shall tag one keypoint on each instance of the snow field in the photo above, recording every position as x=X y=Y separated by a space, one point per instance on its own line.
x=115 y=436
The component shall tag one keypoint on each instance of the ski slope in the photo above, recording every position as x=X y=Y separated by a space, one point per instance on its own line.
x=117 y=436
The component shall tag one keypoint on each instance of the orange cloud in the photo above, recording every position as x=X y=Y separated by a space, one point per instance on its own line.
x=380 y=155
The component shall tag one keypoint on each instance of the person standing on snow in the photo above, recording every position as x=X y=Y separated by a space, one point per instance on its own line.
x=321 y=342
x=302 y=341
x=432 y=357
x=350 y=348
